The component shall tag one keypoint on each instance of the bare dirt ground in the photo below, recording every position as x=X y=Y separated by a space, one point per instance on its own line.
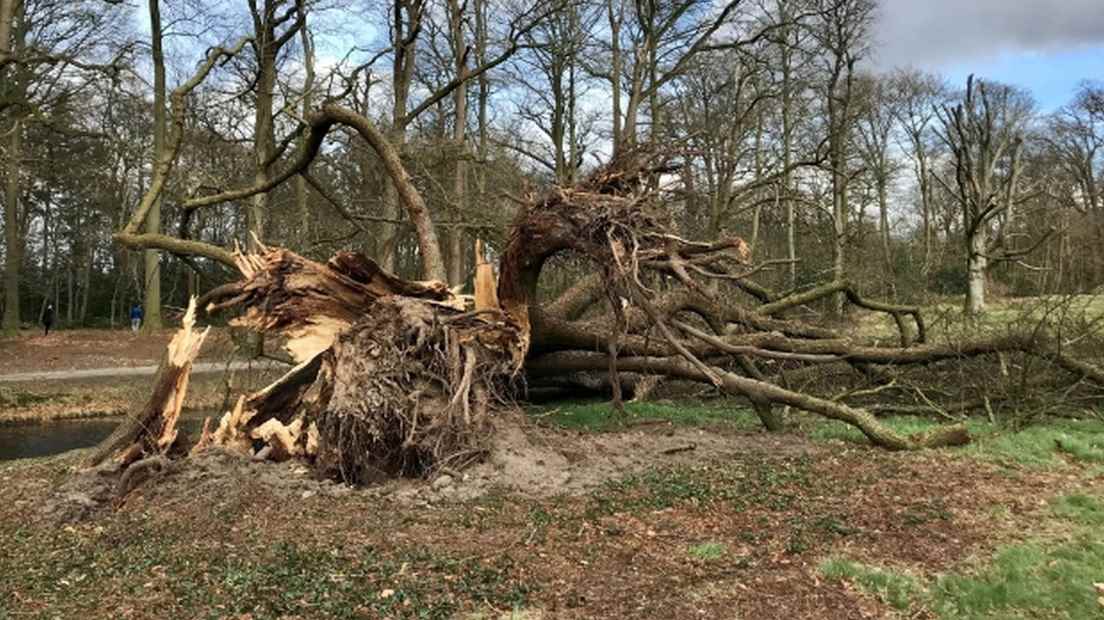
x=77 y=349
x=556 y=524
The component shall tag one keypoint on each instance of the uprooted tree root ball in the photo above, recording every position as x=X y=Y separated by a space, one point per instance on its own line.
x=413 y=389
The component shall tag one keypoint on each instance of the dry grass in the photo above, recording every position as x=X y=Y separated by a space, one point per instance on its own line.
x=945 y=317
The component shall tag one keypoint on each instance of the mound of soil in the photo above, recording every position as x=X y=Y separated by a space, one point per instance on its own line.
x=526 y=459
x=538 y=461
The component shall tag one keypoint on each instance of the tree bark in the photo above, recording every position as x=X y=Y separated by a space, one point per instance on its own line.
x=13 y=238
x=152 y=258
x=459 y=129
x=976 y=270
x=302 y=195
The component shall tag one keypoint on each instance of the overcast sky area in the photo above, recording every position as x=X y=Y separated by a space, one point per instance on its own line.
x=1047 y=46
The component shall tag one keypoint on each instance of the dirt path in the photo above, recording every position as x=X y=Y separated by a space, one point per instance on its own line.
x=97 y=349
x=125 y=371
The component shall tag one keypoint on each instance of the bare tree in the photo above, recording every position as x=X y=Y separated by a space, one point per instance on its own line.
x=877 y=122
x=985 y=133
x=842 y=31
x=919 y=95
x=51 y=52
x=1077 y=136
x=152 y=273
x=551 y=74
x=275 y=24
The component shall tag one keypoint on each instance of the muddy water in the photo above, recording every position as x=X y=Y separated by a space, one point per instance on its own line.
x=37 y=440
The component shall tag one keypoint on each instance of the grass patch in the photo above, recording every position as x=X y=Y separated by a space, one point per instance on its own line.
x=895 y=589
x=11 y=397
x=1046 y=444
x=1081 y=510
x=946 y=316
x=708 y=551
x=1035 y=579
x=598 y=415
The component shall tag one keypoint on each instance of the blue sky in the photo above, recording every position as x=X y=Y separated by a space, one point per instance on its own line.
x=1051 y=76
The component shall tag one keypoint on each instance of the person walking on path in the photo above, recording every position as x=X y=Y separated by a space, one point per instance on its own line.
x=47 y=319
x=135 y=318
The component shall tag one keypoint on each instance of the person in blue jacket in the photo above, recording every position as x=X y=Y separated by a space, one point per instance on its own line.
x=135 y=318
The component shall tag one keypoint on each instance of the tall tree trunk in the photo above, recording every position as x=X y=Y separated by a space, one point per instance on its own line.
x=787 y=159
x=757 y=212
x=152 y=258
x=404 y=38
x=615 y=17
x=926 y=212
x=839 y=240
x=572 y=98
x=484 y=97
x=13 y=238
x=883 y=221
x=85 y=286
x=264 y=143
x=976 y=267
x=13 y=258
x=459 y=128
x=302 y=196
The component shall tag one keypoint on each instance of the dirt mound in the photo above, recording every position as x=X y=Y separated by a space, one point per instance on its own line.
x=526 y=459
x=538 y=461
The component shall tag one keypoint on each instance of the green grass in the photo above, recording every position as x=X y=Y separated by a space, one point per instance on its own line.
x=598 y=415
x=11 y=397
x=1034 y=580
x=1041 y=578
x=1041 y=445
x=895 y=589
x=708 y=551
x=946 y=317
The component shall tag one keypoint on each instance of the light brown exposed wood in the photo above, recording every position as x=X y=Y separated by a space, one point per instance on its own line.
x=486 y=295
x=152 y=429
x=311 y=302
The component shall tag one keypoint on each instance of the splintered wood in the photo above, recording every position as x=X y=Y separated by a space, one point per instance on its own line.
x=152 y=429
x=394 y=377
x=486 y=295
x=310 y=302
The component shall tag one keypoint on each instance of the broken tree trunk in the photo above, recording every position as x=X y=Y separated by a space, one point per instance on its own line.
x=152 y=430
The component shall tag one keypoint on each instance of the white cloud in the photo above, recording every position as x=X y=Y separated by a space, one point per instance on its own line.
x=934 y=34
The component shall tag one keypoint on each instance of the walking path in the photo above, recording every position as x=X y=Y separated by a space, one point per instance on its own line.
x=133 y=371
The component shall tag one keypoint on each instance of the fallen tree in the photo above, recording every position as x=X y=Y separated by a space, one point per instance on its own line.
x=401 y=377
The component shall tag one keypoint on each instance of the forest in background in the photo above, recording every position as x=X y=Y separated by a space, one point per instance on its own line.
x=906 y=185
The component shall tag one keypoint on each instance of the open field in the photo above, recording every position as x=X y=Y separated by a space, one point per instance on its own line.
x=945 y=319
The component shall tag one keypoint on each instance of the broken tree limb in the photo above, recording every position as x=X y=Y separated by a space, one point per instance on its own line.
x=152 y=429
x=878 y=433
